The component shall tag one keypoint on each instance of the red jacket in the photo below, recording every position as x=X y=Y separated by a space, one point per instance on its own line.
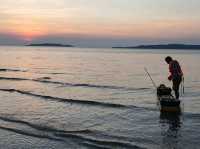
x=175 y=70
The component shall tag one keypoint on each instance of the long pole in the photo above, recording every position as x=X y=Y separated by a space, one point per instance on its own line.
x=183 y=85
x=154 y=84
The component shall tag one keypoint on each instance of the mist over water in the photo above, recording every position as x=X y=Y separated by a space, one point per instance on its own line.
x=94 y=98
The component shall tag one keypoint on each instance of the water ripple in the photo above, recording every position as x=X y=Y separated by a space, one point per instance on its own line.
x=48 y=81
x=58 y=99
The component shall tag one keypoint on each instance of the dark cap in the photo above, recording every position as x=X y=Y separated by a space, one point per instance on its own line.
x=168 y=59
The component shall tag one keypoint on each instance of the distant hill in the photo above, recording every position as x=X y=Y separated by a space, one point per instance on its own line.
x=50 y=45
x=163 y=46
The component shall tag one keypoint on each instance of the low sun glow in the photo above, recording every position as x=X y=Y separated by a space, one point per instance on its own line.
x=141 y=21
x=29 y=32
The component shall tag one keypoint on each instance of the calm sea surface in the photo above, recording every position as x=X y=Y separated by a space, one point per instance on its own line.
x=94 y=98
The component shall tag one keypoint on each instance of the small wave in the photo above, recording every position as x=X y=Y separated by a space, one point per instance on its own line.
x=40 y=127
x=94 y=146
x=14 y=79
x=44 y=78
x=54 y=73
x=26 y=133
x=88 y=85
x=99 y=142
x=84 y=137
x=48 y=81
x=195 y=116
x=76 y=101
x=14 y=70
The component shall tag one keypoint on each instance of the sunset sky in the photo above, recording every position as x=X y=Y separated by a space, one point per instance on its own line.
x=100 y=22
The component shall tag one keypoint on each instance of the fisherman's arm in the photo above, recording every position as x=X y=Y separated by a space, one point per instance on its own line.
x=171 y=73
x=170 y=77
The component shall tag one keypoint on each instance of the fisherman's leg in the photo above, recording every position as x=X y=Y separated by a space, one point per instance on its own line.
x=176 y=85
x=177 y=94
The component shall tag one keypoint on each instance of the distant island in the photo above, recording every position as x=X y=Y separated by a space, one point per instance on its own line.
x=163 y=46
x=50 y=45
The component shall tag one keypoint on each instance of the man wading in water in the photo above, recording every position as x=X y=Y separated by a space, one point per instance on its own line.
x=176 y=74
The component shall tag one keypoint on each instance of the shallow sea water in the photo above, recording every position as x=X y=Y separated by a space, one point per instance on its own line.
x=94 y=98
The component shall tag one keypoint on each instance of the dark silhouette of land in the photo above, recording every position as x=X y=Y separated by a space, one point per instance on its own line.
x=163 y=46
x=50 y=45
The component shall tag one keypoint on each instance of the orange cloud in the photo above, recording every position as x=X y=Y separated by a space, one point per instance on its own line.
x=32 y=27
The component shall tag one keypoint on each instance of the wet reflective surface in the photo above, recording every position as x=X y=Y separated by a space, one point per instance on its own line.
x=94 y=98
